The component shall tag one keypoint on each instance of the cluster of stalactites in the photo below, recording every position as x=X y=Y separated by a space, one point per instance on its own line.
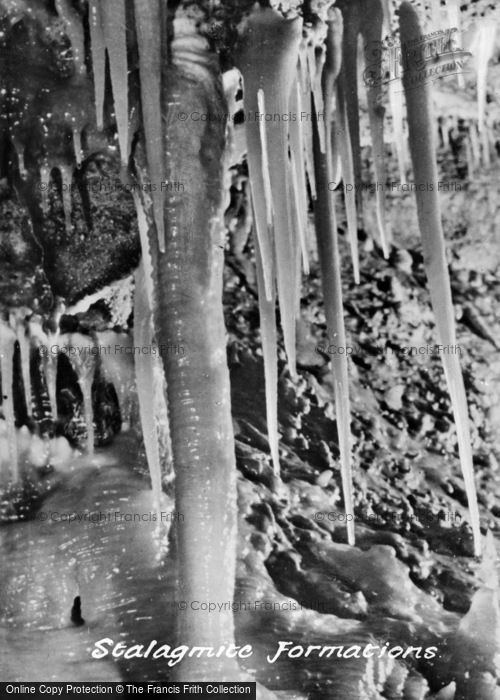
x=112 y=354
x=108 y=33
x=107 y=21
x=284 y=156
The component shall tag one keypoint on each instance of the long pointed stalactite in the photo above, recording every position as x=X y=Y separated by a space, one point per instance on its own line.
x=279 y=233
x=114 y=26
x=151 y=39
x=269 y=37
x=364 y=20
x=422 y=149
x=329 y=258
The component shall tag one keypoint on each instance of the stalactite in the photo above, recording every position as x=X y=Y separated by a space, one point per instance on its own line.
x=83 y=361
x=270 y=38
x=326 y=232
x=98 y=49
x=371 y=27
x=277 y=101
x=257 y=171
x=367 y=19
x=114 y=24
x=422 y=149
x=7 y=346
x=149 y=38
x=74 y=29
x=269 y=341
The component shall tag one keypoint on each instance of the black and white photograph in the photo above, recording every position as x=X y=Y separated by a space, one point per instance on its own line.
x=250 y=349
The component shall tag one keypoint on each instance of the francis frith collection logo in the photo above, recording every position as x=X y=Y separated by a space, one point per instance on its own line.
x=427 y=58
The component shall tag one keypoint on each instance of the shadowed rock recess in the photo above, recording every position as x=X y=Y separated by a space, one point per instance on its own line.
x=93 y=333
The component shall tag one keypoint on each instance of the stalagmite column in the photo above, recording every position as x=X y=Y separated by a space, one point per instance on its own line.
x=189 y=315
